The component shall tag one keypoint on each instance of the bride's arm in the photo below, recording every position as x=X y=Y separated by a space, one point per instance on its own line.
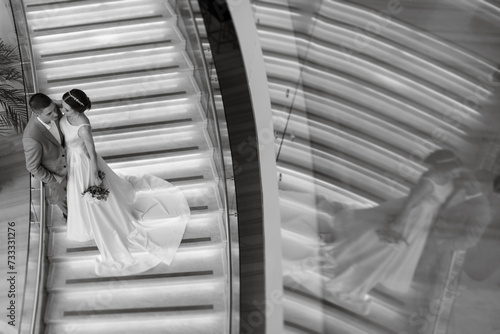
x=423 y=189
x=85 y=132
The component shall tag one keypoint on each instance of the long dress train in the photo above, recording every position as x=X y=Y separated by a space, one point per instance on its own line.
x=358 y=263
x=139 y=226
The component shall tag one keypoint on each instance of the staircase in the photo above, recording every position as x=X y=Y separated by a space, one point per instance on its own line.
x=129 y=57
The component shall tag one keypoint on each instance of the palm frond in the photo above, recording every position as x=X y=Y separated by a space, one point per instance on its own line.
x=12 y=99
x=10 y=63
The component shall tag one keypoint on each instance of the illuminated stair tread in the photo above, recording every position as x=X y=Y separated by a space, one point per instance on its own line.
x=187 y=265
x=143 y=63
x=144 y=303
x=50 y=54
x=195 y=323
x=97 y=25
x=38 y=4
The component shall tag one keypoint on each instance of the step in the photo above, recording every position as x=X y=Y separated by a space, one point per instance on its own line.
x=176 y=111
x=143 y=303
x=104 y=25
x=144 y=144
x=179 y=172
x=203 y=322
x=146 y=89
x=85 y=15
x=108 y=36
x=140 y=63
x=203 y=199
x=201 y=233
x=42 y=5
x=188 y=266
x=152 y=125
x=107 y=41
x=163 y=43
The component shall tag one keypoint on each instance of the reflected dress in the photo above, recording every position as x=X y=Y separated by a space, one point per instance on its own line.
x=355 y=265
x=139 y=226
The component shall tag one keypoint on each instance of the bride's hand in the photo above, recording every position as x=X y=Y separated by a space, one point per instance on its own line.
x=97 y=180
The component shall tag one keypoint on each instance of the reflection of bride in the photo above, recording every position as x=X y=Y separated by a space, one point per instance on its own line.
x=373 y=255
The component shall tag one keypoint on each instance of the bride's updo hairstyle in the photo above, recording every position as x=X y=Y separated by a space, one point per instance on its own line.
x=443 y=160
x=77 y=100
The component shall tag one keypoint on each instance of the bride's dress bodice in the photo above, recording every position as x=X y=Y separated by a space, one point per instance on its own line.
x=439 y=195
x=71 y=138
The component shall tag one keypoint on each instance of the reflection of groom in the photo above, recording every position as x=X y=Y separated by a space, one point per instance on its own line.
x=44 y=148
x=459 y=227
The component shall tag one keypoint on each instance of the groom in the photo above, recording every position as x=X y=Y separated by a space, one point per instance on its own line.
x=459 y=227
x=44 y=148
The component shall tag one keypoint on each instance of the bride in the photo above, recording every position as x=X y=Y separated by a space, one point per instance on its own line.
x=141 y=223
x=387 y=252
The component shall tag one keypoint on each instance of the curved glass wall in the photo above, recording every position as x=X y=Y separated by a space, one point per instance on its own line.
x=379 y=234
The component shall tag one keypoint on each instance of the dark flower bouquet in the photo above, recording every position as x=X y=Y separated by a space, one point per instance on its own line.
x=388 y=235
x=96 y=194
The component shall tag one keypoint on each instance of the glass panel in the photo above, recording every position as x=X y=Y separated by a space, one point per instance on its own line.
x=205 y=75
x=387 y=154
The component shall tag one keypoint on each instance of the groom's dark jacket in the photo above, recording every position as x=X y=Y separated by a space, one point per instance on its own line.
x=44 y=155
x=462 y=225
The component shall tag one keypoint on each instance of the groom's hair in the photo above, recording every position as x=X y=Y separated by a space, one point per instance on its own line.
x=38 y=102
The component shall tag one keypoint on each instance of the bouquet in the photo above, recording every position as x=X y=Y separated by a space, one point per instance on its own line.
x=388 y=235
x=96 y=194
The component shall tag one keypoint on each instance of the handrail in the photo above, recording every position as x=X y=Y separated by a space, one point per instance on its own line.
x=41 y=256
x=26 y=54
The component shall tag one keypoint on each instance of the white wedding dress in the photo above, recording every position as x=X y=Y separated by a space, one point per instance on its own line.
x=139 y=226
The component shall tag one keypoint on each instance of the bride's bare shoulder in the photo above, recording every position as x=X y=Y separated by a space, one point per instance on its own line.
x=81 y=119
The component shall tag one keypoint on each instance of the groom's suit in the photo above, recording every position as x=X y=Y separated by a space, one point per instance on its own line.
x=482 y=260
x=460 y=226
x=46 y=159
